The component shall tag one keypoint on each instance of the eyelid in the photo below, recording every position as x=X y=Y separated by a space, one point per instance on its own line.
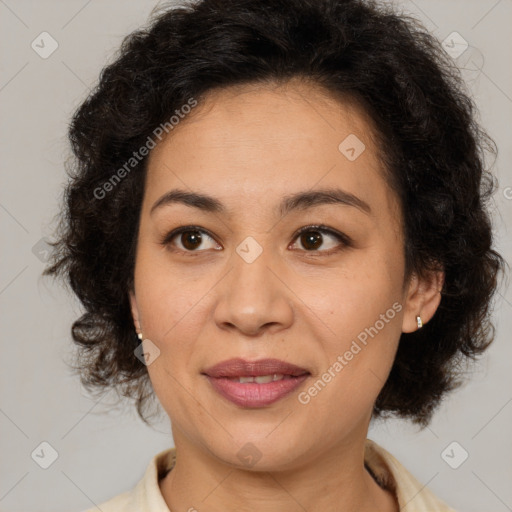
x=166 y=239
x=344 y=239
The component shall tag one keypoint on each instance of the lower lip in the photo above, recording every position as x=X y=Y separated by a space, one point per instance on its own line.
x=252 y=394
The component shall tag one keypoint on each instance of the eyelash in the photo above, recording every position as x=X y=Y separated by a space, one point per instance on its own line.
x=345 y=240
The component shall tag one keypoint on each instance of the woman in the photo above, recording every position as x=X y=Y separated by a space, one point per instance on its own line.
x=277 y=225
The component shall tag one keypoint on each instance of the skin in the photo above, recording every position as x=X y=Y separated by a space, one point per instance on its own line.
x=250 y=146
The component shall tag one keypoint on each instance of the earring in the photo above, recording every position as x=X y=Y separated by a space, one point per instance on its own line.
x=138 y=337
x=420 y=323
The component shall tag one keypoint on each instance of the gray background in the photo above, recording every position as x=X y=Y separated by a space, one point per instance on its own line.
x=103 y=451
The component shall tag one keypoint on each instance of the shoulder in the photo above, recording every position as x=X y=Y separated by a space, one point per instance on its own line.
x=412 y=496
x=146 y=495
x=120 y=503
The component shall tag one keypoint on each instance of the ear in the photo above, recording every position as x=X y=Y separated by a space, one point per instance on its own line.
x=423 y=298
x=135 y=311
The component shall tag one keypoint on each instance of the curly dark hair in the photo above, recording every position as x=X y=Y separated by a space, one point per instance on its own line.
x=433 y=149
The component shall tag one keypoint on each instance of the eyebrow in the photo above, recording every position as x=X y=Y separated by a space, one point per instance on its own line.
x=297 y=201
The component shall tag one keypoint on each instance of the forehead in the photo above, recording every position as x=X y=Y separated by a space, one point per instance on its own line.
x=255 y=143
x=295 y=115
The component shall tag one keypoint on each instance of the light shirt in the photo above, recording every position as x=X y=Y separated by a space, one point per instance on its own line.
x=412 y=496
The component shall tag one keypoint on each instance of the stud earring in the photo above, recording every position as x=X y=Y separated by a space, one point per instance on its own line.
x=420 y=323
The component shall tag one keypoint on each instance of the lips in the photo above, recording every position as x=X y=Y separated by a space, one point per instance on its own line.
x=240 y=368
x=252 y=384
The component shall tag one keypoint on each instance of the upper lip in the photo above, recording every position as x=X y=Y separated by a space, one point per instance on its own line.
x=241 y=368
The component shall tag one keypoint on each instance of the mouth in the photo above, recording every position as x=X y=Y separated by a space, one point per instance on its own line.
x=261 y=379
x=252 y=384
x=240 y=368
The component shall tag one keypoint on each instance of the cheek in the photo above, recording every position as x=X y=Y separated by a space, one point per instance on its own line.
x=170 y=305
x=358 y=317
x=357 y=361
x=166 y=296
x=353 y=296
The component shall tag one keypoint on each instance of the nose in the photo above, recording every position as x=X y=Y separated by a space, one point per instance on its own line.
x=254 y=298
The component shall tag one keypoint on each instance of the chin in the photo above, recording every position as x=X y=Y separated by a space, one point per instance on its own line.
x=257 y=452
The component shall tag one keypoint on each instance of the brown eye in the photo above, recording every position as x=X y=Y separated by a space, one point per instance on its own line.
x=188 y=239
x=191 y=239
x=311 y=239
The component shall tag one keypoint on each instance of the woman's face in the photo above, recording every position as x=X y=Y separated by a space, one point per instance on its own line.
x=242 y=283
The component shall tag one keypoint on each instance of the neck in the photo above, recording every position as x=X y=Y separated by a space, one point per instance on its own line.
x=325 y=482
